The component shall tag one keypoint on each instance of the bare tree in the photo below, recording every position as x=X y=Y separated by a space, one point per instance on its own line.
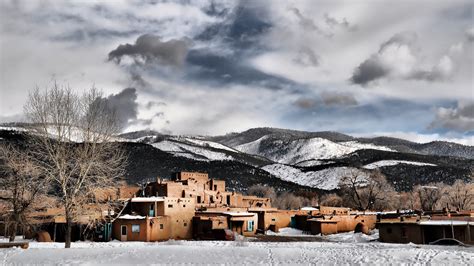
x=262 y=191
x=429 y=195
x=409 y=201
x=365 y=192
x=21 y=184
x=460 y=195
x=74 y=144
x=331 y=200
x=288 y=201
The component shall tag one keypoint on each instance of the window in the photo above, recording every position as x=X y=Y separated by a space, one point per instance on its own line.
x=185 y=224
x=135 y=228
x=228 y=199
x=215 y=187
x=273 y=219
x=152 y=210
x=170 y=205
x=199 y=199
x=161 y=226
x=250 y=225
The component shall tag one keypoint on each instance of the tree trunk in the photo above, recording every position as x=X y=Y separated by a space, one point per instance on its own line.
x=67 y=243
x=13 y=231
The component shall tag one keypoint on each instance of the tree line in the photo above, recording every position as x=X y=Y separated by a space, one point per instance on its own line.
x=371 y=191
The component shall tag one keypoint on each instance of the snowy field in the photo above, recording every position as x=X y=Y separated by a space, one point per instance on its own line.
x=347 y=249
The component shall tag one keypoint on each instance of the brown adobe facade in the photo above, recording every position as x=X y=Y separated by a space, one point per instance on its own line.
x=201 y=204
x=165 y=210
x=154 y=219
x=426 y=229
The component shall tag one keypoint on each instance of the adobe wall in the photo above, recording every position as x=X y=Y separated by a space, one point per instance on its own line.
x=217 y=185
x=181 y=211
x=347 y=223
x=324 y=228
x=333 y=210
x=143 y=235
x=235 y=220
x=200 y=177
x=159 y=228
x=392 y=233
x=279 y=218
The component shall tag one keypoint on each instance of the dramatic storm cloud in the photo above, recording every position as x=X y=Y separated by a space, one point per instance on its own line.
x=149 y=48
x=459 y=118
x=218 y=66
x=124 y=104
x=397 y=58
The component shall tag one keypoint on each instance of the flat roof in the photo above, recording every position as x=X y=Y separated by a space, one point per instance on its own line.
x=309 y=209
x=430 y=222
x=321 y=221
x=239 y=213
x=132 y=217
x=148 y=199
x=229 y=213
x=445 y=222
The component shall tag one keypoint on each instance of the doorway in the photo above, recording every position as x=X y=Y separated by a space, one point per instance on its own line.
x=123 y=233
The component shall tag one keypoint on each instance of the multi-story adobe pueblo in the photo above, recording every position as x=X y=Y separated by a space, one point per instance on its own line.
x=191 y=204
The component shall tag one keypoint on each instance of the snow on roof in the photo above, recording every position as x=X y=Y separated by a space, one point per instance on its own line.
x=132 y=217
x=309 y=209
x=239 y=213
x=148 y=199
x=445 y=222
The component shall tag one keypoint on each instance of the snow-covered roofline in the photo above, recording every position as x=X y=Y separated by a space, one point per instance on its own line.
x=148 y=199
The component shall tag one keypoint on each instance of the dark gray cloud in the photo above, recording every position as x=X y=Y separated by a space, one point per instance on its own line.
x=150 y=48
x=305 y=22
x=327 y=99
x=152 y=104
x=369 y=70
x=396 y=58
x=470 y=34
x=338 y=99
x=242 y=28
x=401 y=38
x=306 y=103
x=334 y=23
x=124 y=104
x=308 y=24
x=459 y=118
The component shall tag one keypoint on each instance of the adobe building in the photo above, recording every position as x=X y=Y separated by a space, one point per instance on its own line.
x=426 y=232
x=207 y=193
x=154 y=219
x=241 y=222
x=326 y=220
x=427 y=229
x=165 y=210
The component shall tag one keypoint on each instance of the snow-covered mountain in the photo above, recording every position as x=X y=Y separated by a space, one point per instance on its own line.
x=289 y=159
x=300 y=150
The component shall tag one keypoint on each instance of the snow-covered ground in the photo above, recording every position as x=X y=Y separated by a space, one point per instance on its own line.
x=326 y=179
x=383 y=163
x=236 y=253
x=300 y=150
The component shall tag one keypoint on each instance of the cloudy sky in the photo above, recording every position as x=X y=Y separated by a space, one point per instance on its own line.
x=400 y=68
